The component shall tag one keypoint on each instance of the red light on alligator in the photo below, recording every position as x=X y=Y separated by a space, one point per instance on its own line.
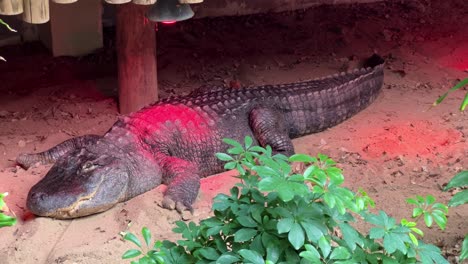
x=169 y=22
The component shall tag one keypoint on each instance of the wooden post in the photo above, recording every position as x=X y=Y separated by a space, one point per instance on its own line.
x=36 y=11
x=11 y=7
x=136 y=55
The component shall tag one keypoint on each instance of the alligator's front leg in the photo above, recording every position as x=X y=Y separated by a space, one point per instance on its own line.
x=183 y=183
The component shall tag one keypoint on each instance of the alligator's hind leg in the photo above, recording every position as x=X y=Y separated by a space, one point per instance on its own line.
x=183 y=184
x=269 y=128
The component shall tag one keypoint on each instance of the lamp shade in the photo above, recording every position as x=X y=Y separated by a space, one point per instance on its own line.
x=169 y=11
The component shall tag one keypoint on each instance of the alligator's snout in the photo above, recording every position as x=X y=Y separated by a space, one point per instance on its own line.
x=35 y=202
x=53 y=204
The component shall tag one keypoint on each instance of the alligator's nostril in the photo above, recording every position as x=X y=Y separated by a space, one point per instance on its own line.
x=38 y=196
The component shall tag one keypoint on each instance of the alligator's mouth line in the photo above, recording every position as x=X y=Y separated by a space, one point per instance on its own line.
x=67 y=212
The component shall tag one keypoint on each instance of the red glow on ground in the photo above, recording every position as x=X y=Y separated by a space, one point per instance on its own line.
x=418 y=138
x=169 y=22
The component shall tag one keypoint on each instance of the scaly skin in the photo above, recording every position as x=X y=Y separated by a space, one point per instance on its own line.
x=174 y=141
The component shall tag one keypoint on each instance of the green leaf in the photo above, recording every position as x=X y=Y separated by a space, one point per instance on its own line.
x=464 y=103
x=464 y=250
x=146 y=235
x=6 y=220
x=273 y=252
x=411 y=201
x=131 y=253
x=340 y=253
x=413 y=239
x=248 y=142
x=312 y=230
x=324 y=246
x=376 y=232
x=442 y=207
x=232 y=142
x=311 y=254
x=132 y=238
x=454 y=88
x=350 y=236
x=244 y=234
x=230 y=165
x=251 y=256
x=284 y=225
x=302 y=158
x=428 y=219
x=310 y=257
x=209 y=253
x=7 y=26
x=264 y=171
x=459 y=199
x=393 y=241
x=296 y=236
x=223 y=157
x=236 y=151
x=336 y=176
x=459 y=180
x=227 y=258
x=417 y=231
x=246 y=221
x=430 y=254
x=440 y=218
x=417 y=212
x=430 y=199
x=2 y=202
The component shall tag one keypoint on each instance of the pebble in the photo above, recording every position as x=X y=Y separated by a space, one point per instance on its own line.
x=21 y=143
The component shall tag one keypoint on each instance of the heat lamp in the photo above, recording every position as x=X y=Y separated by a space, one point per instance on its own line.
x=169 y=11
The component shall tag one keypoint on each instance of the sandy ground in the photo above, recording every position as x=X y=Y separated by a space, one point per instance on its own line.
x=396 y=148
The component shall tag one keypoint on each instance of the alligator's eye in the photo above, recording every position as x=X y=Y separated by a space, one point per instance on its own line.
x=88 y=166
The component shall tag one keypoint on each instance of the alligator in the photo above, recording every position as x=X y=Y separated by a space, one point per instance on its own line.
x=174 y=141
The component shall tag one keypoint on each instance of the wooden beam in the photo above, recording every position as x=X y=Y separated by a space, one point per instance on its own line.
x=136 y=55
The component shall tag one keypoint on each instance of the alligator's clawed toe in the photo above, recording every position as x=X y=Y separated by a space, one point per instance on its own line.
x=185 y=211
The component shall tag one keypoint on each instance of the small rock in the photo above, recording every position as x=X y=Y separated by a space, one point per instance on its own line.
x=21 y=143
x=397 y=173
x=388 y=35
x=4 y=113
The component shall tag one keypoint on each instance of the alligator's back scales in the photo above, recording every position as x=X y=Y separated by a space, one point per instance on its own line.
x=174 y=140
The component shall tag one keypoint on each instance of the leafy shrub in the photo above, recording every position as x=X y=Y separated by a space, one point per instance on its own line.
x=9 y=28
x=459 y=85
x=460 y=181
x=5 y=220
x=278 y=216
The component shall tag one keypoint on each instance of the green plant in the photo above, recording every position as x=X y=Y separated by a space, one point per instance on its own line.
x=278 y=216
x=153 y=254
x=9 y=28
x=460 y=181
x=459 y=85
x=5 y=220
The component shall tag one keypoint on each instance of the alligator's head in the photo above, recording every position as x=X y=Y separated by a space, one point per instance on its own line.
x=87 y=181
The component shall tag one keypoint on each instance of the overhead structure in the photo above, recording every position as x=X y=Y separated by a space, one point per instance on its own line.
x=75 y=29
x=38 y=11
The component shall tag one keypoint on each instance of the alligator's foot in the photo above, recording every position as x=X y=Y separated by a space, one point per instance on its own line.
x=186 y=212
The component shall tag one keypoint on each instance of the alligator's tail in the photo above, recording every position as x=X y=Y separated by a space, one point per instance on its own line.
x=326 y=102
x=53 y=154
x=373 y=61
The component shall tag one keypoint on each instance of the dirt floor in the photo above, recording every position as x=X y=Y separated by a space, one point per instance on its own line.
x=396 y=148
